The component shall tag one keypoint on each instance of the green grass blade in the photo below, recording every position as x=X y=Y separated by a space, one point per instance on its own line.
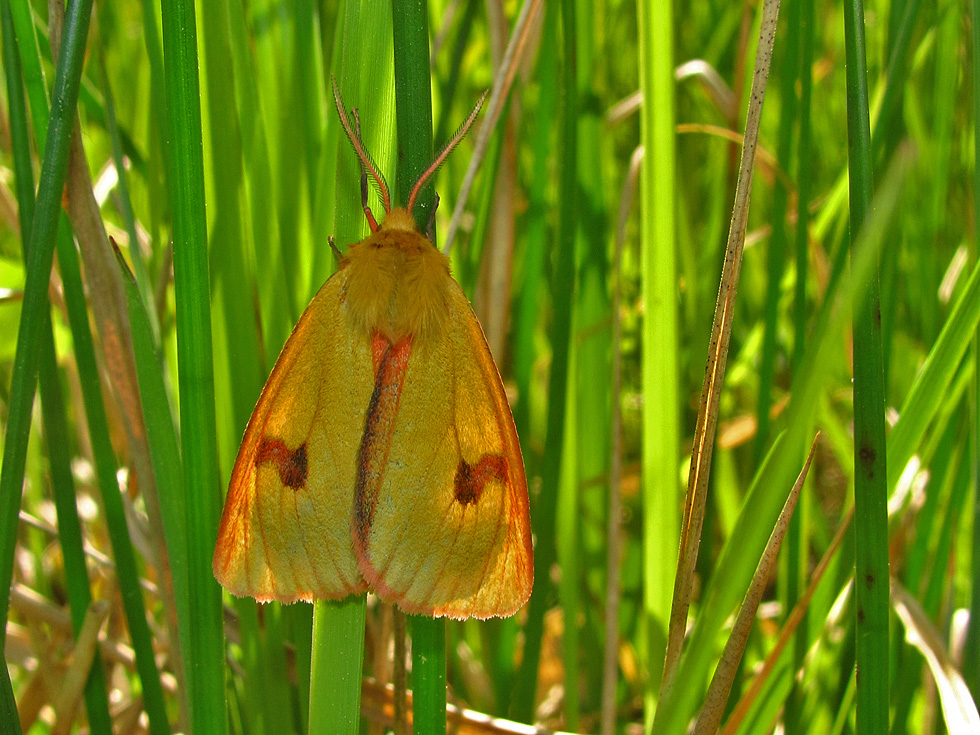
x=661 y=386
x=165 y=456
x=20 y=144
x=37 y=94
x=69 y=526
x=335 y=688
x=366 y=81
x=8 y=705
x=299 y=619
x=971 y=653
x=447 y=90
x=568 y=542
x=34 y=312
x=413 y=106
x=205 y=656
x=531 y=291
x=129 y=219
x=413 y=103
x=274 y=300
x=429 y=674
x=312 y=93
x=870 y=474
x=797 y=553
x=238 y=382
x=592 y=386
x=776 y=262
x=887 y=123
x=929 y=391
x=804 y=182
x=112 y=503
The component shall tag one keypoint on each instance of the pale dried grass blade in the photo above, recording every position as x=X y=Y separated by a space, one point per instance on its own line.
x=40 y=610
x=377 y=705
x=959 y=709
x=74 y=682
x=697 y=486
x=614 y=544
x=498 y=94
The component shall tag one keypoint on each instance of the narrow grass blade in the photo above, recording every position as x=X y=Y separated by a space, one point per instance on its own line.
x=236 y=330
x=495 y=106
x=615 y=540
x=870 y=473
x=112 y=503
x=789 y=629
x=661 y=381
x=591 y=386
x=797 y=553
x=80 y=672
x=30 y=59
x=8 y=705
x=70 y=531
x=972 y=647
x=413 y=102
x=531 y=290
x=568 y=542
x=804 y=184
x=776 y=260
x=929 y=390
x=428 y=674
x=34 y=312
x=20 y=144
x=704 y=434
x=164 y=446
x=721 y=683
x=205 y=654
x=129 y=219
x=259 y=196
x=335 y=688
x=413 y=107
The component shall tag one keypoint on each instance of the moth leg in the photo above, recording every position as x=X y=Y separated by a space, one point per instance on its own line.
x=430 y=229
x=372 y=222
x=333 y=247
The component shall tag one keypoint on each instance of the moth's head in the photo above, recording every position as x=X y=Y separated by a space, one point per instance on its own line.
x=369 y=168
x=399 y=219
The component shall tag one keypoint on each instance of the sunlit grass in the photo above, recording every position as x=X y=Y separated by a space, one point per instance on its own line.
x=252 y=188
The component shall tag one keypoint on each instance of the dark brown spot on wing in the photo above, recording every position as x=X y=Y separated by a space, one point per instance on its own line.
x=472 y=478
x=290 y=464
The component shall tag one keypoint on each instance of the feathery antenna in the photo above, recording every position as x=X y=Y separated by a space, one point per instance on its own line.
x=447 y=149
x=367 y=163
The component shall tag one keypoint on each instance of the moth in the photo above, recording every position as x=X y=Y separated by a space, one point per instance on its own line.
x=382 y=453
